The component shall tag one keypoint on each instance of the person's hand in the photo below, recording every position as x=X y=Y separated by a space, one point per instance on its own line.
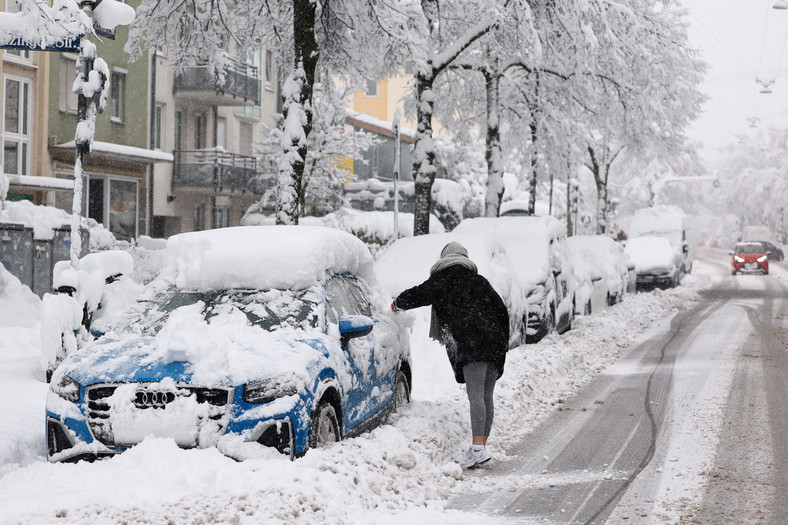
x=394 y=307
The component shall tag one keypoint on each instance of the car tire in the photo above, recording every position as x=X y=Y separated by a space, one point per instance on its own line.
x=401 y=391
x=323 y=426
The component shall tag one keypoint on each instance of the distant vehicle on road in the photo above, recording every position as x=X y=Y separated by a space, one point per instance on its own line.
x=750 y=257
x=774 y=252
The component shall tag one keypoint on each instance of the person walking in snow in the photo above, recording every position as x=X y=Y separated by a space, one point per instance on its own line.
x=471 y=320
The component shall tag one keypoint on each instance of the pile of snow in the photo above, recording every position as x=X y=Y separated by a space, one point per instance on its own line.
x=23 y=307
x=251 y=257
x=45 y=219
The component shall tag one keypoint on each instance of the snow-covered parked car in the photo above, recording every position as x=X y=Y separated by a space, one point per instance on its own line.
x=657 y=262
x=603 y=271
x=407 y=262
x=537 y=248
x=263 y=335
x=669 y=222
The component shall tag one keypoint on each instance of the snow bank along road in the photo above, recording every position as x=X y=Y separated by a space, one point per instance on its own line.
x=689 y=427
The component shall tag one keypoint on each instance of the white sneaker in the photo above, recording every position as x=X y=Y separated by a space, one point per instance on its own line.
x=475 y=458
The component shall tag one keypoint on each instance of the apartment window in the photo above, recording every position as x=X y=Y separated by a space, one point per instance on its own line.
x=118 y=95
x=221 y=132
x=123 y=208
x=178 y=130
x=68 y=73
x=111 y=201
x=221 y=217
x=199 y=131
x=199 y=217
x=269 y=69
x=158 y=125
x=245 y=143
x=371 y=88
x=19 y=54
x=16 y=125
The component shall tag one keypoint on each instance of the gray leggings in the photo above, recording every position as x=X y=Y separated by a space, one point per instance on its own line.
x=480 y=381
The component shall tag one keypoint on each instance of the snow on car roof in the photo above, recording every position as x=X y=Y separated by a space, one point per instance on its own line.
x=527 y=241
x=264 y=257
x=656 y=220
x=407 y=261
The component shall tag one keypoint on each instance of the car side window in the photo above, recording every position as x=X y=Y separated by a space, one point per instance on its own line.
x=355 y=289
x=345 y=296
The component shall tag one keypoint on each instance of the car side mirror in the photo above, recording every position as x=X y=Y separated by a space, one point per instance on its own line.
x=101 y=326
x=352 y=326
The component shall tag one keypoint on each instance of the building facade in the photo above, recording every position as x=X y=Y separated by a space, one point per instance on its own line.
x=213 y=131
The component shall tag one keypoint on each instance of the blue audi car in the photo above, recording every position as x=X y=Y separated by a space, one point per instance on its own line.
x=275 y=335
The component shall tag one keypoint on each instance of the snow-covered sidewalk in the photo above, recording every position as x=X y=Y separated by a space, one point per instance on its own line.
x=403 y=471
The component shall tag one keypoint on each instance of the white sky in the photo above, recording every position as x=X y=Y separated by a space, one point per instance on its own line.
x=741 y=40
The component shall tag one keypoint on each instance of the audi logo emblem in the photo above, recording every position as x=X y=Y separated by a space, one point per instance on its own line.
x=153 y=399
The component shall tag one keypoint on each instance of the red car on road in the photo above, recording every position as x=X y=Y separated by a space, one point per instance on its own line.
x=750 y=257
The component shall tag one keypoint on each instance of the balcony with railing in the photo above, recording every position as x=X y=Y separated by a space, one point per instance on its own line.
x=219 y=171
x=241 y=85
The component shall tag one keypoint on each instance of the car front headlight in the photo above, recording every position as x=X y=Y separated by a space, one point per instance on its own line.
x=738 y=259
x=66 y=388
x=269 y=389
x=762 y=259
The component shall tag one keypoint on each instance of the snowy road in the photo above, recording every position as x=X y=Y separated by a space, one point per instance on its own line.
x=688 y=427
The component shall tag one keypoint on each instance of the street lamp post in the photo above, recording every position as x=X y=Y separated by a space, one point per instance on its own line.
x=396 y=130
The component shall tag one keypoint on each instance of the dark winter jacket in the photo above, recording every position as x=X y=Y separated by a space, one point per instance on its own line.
x=472 y=317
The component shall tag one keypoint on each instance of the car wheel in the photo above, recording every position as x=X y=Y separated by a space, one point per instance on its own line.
x=323 y=426
x=401 y=390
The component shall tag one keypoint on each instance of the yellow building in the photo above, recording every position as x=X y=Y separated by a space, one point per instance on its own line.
x=25 y=95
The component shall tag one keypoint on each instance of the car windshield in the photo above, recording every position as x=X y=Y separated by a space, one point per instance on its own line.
x=750 y=248
x=270 y=310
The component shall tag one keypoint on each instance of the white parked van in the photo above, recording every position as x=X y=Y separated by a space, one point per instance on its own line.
x=669 y=222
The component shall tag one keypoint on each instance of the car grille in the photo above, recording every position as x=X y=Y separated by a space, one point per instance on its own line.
x=146 y=397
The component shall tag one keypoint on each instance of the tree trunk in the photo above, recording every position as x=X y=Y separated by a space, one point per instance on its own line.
x=534 y=170
x=423 y=154
x=600 y=179
x=297 y=111
x=495 y=187
x=569 y=226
